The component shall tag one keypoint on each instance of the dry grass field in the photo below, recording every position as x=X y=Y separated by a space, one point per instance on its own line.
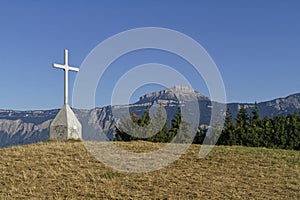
x=65 y=170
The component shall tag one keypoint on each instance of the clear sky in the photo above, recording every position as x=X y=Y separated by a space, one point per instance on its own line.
x=255 y=44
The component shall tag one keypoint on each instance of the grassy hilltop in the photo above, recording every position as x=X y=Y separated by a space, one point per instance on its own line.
x=67 y=170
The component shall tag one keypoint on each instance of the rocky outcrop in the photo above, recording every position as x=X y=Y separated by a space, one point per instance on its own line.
x=16 y=132
x=172 y=96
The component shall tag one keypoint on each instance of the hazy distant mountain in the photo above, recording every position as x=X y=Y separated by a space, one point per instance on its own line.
x=280 y=106
x=24 y=127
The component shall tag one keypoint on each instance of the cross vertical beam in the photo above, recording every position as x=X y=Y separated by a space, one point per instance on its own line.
x=66 y=90
x=66 y=68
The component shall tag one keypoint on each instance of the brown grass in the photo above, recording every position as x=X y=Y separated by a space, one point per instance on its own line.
x=66 y=171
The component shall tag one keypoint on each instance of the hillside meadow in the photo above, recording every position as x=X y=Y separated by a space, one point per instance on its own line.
x=66 y=170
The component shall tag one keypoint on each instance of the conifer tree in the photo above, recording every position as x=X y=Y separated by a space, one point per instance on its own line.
x=200 y=134
x=255 y=114
x=175 y=125
x=159 y=125
x=226 y=137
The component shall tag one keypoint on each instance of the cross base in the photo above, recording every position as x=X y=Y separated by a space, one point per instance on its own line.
x=65 y=126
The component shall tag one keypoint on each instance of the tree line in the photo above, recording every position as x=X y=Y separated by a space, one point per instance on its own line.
x=246 y=129
x=157 y=129
x=250 y=130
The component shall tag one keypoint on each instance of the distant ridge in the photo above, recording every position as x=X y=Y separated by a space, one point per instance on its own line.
x=280 y=106
x=24 y=127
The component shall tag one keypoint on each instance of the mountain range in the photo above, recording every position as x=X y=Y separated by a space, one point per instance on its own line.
x=25 y=127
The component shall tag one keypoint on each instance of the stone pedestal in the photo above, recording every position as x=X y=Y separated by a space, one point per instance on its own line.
x=65 y=126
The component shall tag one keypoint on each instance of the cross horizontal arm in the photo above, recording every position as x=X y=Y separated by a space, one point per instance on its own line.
x=66 y=67
x=73 y=69
x=59 y=66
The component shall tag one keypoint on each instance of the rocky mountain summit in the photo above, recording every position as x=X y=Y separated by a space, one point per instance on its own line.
x=172 y=95
x=24 y=127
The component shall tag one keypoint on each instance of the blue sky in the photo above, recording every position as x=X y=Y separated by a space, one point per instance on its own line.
x=255 y=44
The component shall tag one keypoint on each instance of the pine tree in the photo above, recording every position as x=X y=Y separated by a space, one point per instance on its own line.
x=125 y=127
x=242 y=117
x=242 y=120
x=280 y=133
x=293 y=131
x=121 y=135
x=175 y=125
x=160 y=126
x=254 y=129
x=227 y=131
x=255 y=114
x=145 y=120
x=184 y=135
x=267 y=133
x=200 y=134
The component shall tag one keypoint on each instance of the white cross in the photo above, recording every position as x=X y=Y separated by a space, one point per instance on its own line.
x=66 y=68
